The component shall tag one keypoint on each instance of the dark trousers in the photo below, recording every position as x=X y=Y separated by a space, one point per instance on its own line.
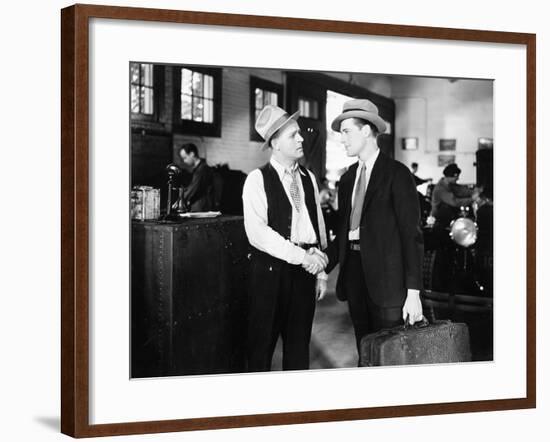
x=286 y=312
x=366 y=316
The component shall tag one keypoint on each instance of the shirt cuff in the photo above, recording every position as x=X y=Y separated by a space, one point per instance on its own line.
x=297 y=256
x=322 y=275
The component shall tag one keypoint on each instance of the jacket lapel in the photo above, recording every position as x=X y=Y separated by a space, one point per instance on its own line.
x=347 y=189
x=376 y=178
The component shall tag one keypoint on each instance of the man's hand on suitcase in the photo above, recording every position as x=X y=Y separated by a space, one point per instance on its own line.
x=413 y=307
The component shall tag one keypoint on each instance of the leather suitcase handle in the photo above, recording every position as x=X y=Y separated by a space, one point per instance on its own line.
x=420 y=324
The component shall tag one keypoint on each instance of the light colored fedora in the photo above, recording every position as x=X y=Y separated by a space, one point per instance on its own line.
x=270 y=120
x=360 y=108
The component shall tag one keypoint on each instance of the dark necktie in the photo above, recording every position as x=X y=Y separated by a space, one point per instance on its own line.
x=359 y=198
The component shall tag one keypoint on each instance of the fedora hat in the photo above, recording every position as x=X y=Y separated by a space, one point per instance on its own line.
x=360 y=108
x=270 y=120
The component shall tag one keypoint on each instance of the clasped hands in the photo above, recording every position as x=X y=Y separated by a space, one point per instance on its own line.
x=314 y=261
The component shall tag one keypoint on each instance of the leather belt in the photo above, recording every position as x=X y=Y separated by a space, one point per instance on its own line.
x=355 y=246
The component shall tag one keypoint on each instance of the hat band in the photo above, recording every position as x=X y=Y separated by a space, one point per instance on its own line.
x=360 y=110
x=276 y=126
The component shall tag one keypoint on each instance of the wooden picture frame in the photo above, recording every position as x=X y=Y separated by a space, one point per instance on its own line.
x=76 y=218
x=409 y=143
x=447 y=144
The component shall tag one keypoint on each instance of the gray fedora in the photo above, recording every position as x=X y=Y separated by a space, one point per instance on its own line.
x=270 y=120
x=360 y=108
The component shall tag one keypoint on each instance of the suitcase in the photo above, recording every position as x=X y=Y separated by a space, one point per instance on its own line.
x=435 y=343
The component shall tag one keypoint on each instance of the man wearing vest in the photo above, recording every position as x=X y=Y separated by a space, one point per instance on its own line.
x=284 y=225
x=379 y=243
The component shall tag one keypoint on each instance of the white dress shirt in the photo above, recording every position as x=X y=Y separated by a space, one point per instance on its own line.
x=263 y=237
x=353 y=235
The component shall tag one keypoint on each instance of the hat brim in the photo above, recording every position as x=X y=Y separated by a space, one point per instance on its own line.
x=274 y=130
x=364 y=115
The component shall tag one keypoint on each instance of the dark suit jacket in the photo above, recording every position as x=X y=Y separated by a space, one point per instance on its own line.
x=392 y=245
x=200 y=192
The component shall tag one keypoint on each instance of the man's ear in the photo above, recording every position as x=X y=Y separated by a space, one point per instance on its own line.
x=366 y=130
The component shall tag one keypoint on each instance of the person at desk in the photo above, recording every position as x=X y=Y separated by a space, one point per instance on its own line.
x=199 y=194
x=448 y=196
x=285 y=228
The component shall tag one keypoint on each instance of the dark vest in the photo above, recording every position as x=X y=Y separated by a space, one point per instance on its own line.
x=279 y=209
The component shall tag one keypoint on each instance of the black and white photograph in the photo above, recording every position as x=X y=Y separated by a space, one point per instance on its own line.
x=222 y=216
x=305 y=220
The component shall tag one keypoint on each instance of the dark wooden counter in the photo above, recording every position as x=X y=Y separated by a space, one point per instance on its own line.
x=188 y=305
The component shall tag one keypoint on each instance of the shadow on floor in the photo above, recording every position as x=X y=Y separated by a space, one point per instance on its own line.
x=51 y=422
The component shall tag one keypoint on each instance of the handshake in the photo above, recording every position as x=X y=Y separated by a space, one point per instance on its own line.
x=314 y=261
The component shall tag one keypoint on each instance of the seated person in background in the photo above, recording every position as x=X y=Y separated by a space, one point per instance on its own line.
x=448 y=196
x=199 y=194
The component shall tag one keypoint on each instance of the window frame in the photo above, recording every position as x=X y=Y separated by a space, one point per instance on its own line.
x=310 y=100
x=198 y=127
x=158 y=93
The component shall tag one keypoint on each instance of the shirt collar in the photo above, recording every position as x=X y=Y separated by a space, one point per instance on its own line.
x=282 y=169
x=369 y=164
x=196 y=166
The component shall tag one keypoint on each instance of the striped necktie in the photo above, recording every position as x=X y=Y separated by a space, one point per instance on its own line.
x=294 y=189
x=359 y=198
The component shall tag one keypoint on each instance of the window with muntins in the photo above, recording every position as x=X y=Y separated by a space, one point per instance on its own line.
x=198 y=101
x=142 y=88
x=262 y=93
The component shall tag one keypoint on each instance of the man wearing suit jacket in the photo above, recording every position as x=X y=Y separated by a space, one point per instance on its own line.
x=379 y=243
x=199 y=194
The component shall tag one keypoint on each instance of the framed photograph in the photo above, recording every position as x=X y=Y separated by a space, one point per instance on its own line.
x=443 y=160
x=154 y=291
x=447 y=145
x=409 y=143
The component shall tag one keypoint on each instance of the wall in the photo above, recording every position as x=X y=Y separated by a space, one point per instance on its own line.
x=379 y=84
x=234 y=147
x=426 y=108
x=430 y=109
